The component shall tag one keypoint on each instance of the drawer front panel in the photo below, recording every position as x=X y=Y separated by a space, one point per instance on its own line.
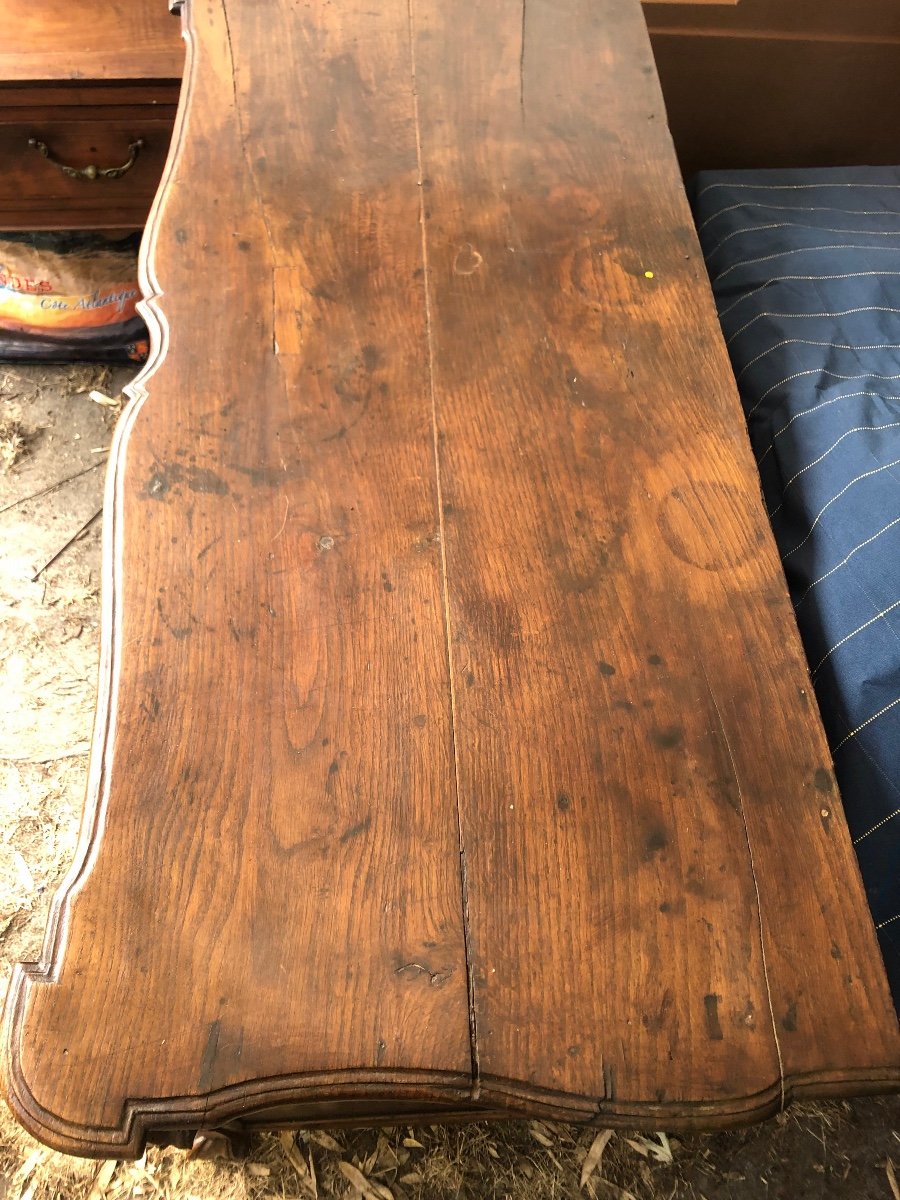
x=30 y=180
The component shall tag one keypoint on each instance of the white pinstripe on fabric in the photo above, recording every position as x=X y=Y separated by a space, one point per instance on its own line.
x=800 y=225
x=856 y=212
x=815 y=371
x=879 y=825
x=833 y=446
x=875 y=716
x=847 y=312
x=796 y=187
x=804 y=342
x=808 y=412
x=859 y=629
x=752 y=262
x=846 y=488
x=804 y=279
x=845 y=560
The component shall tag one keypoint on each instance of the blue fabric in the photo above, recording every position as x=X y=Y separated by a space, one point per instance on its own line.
x=805 y=268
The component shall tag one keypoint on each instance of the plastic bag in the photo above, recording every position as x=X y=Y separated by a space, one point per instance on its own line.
x=70 y=297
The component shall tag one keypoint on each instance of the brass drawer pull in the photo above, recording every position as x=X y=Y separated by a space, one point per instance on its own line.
x=90 y=172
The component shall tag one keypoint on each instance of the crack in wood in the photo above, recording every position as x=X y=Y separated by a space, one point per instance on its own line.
x=463 y=877
x=522 y=64
x=753 y=876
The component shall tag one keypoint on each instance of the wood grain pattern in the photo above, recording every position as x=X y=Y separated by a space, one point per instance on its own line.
x=454 y=751
x=88 y=39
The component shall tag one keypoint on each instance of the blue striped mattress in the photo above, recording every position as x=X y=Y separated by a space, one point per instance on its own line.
x=805 y=268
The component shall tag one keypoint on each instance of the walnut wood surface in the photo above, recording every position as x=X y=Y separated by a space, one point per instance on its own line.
x=455 y=750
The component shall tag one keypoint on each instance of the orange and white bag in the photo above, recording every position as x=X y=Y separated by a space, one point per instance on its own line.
x=69 y=296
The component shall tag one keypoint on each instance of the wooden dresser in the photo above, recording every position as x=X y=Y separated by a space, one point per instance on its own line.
x=90 y=86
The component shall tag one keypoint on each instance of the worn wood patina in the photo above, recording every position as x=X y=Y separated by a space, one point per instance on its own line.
x=456 y=753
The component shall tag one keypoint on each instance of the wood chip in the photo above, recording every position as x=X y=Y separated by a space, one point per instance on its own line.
x=386 y=1157
x=34 y=1159
x=354 y=1177
x=365 y=1187
x=326 y=1141
x=289 y=1145
x=210 y=1145
x=540 y=1134
x=103 y=1179
x=313 y=1181
x=613 y=1188
x=594 y=1155
x=659 y=1151
x=892 y=1179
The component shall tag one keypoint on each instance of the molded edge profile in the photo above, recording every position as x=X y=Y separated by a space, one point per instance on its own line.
x=186 y=1114
x=176 y=1114
x=440 y=1094
x=526 y=1100
x=94 y=809
x=46 y=968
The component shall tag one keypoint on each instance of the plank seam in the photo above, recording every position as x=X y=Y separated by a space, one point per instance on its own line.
x=254 y=182
x=463 y=876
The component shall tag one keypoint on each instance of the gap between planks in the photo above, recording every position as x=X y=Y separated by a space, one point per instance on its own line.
x=464 y=884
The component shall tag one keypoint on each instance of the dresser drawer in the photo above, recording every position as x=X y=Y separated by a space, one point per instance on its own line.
x=82 y=156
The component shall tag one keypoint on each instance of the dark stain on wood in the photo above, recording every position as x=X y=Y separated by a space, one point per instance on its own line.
x=824 y=780
x=789 y=1020
x=655 y=842
x=197 y=479
x=208 y=1061
x=356 y=830
x=711 y=1011
x=667 y=737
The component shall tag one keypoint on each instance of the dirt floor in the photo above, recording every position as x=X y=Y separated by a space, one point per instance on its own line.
x=54 y=439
